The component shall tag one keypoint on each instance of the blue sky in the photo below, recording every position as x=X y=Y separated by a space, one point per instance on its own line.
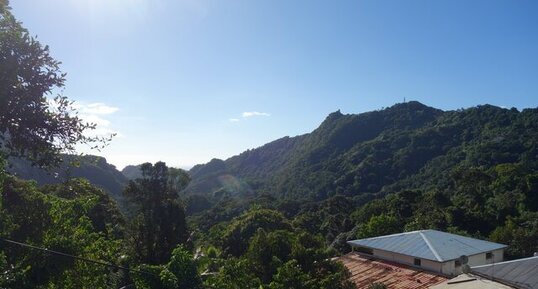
x=187 y=80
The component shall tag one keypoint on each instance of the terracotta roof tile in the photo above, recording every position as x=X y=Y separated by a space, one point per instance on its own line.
x=365 y=271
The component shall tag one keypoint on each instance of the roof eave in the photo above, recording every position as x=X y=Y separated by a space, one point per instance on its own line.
x=430 y=259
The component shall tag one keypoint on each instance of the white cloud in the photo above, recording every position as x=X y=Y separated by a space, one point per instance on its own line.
x=92 y=118
x=248 y=114
x=254 y=113
x=95 y=113
x=95 y=108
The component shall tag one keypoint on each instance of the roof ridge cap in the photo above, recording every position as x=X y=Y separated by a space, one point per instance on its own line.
x=391 y=235
x=431 y=247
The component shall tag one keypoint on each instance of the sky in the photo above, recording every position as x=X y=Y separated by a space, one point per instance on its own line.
x=185 y=81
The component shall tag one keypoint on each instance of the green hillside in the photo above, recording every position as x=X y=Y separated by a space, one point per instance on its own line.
x=132 y=172
x=406 y=146
x=408 y=167
x=95 y=169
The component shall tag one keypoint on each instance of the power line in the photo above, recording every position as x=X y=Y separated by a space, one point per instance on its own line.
x=76 y=257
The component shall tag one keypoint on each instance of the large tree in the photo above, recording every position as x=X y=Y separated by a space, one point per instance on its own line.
x=33 y=122
x=158 y=224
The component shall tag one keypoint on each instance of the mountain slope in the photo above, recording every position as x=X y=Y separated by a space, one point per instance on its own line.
x=406 y=146
x=94 y=168
x=132 y=172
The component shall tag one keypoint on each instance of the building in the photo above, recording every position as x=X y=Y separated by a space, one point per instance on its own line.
x=367 y=270
x=470 y=281
x=519 y=273
x=431 y=250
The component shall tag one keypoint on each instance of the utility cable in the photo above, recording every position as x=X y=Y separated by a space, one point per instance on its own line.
x=76 y=257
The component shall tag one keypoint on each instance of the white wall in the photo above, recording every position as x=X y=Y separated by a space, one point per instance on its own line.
x=447 y=268
x=480 y=259
x=450 y=268
x=408 y=260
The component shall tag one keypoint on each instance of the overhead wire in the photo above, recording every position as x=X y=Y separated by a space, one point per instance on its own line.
x=77 y=257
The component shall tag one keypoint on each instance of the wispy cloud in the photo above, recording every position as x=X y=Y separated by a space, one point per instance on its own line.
x=95 y=108
x=249 y=114
x=254 y=113
x=96 y=113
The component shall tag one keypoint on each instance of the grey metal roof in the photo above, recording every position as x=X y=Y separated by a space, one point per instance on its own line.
x=521 y=273
x=469 y=281
x=429 y=244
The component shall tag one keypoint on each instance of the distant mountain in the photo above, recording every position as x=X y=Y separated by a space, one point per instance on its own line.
x=94 y=168
x=132 y=172
x=406 y=146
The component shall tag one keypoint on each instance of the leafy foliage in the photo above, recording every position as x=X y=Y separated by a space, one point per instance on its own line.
x=236 y=237
x=277 y=255
x=74 y=218
x=378 y=226
x=96 y=169
x=31 y=123
x=233 y=274
x=179 y=272
x=158 y=224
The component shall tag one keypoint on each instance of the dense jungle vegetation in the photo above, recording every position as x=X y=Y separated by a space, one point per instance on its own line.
x=71 y=234
x=260 y=248
x=271 y=217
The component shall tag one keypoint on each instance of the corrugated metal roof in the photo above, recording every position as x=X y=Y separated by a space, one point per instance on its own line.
x=429 y=244
x=522 y=273
x=469 y=281
x=365 y=271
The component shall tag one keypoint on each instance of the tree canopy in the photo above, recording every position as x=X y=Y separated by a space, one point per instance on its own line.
x=36 y=120
x=158 y=218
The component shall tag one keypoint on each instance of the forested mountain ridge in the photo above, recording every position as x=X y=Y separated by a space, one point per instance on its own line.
x=132 y=172
x=94 y=168
x=409 y=167
x=406 y=146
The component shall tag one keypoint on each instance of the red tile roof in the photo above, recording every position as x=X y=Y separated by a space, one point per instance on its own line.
x=365 y=270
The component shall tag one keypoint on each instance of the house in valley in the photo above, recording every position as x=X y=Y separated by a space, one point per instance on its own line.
x=367 y=270
x=430 y=250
